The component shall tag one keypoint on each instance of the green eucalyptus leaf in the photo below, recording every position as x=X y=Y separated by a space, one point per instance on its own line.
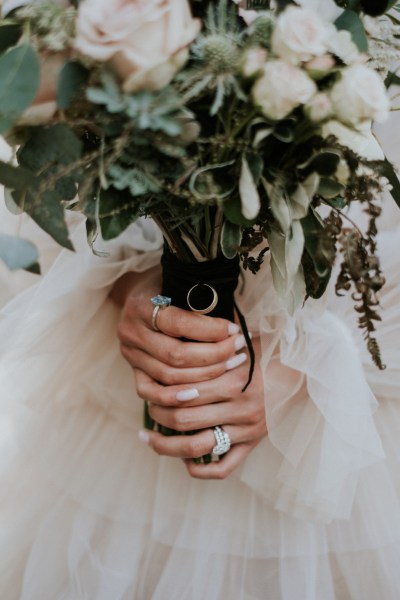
x=18 y=253
x=317 y=265
x=233 y=211
x=19 y=76
x=50 y=147
x=324 y=163
x=16 y=178
x=71 y=82
x=350 y=21
x=50 y=150
x=116 y=212
x=231 y=236
x=9 y=35
x=47 y=211
x=329 y=188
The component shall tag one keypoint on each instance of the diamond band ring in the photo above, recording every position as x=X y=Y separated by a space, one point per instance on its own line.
x=159 y=302
x=223 y=442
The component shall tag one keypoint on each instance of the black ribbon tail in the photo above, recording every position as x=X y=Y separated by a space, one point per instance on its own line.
x=250 y=348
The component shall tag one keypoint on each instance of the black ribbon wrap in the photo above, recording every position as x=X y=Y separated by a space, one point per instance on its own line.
x=221 y=273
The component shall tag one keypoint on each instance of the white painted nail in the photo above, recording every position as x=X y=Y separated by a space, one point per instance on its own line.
x=233 y=328
x=235 y=361
x=144 y=436
x=240 y=342
x=189 y=394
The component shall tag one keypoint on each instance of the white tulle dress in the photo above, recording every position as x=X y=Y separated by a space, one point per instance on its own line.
x=90 y=513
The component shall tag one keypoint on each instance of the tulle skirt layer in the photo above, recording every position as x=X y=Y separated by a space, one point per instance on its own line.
x=89 y=512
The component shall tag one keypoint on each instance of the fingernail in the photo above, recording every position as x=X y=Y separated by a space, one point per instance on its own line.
x=189 y=394
x=235 y=361
x=240 y=342
x=144 y=436
x=233 y=328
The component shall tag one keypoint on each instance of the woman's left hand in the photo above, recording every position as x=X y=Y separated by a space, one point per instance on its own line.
x=220 y=402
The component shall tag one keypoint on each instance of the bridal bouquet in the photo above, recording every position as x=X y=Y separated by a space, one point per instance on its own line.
x=238 y=128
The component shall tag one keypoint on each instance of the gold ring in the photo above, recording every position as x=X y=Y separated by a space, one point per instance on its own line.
x=208 y=309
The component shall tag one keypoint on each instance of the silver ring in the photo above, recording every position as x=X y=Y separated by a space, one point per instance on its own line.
x=210 y=307
x=223 y=441
x=159 y=302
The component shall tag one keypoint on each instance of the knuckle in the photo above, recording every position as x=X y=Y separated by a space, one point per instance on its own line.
x=221 y=472
x=257 y=415
x=169 y=376
x=176 y=356
x=194 y=447
x=181 y=420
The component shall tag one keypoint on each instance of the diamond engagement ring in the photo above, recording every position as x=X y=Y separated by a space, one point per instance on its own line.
x=223 y=441
x=158 y=302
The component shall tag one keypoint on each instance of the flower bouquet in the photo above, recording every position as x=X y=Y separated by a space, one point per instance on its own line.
x=236 y=127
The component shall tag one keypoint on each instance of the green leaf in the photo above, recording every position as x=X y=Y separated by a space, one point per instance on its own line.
x=350 y=21
x=116 y=211
x=392 y=79
x=47 y=151
x=9 y=35
x=317 y=266
x=329 y=188
x=50 y=146
x=323 y=163
x=256 y=165
x=233 y=211
x=19 y=76
x=231 y=236
x=47 y=212
x=18 y=253
x=71 y=81
x=16 y=178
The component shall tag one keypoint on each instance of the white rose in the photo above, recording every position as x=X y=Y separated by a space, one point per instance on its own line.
x=319 y=108
x=340 y=44
x=253 y=61
x=299 y=35
x=144 y=41
x=328 y=8
x=281 y=88
x=359 y=95
x=320 y=66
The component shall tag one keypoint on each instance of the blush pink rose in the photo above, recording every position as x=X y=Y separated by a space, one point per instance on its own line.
x=144 y=41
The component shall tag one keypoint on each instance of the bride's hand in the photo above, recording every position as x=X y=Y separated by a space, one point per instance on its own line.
x=166 y=358
x=215 y=402
x=189 y=385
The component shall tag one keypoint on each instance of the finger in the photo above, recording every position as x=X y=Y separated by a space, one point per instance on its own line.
x=193 y=418
x=222 y=468
x=180 y=323
x=194 y=445
x=181 y=354
x=169 y=375
x=221 y=389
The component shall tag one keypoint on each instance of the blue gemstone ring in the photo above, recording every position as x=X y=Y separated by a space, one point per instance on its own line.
x=159 y=302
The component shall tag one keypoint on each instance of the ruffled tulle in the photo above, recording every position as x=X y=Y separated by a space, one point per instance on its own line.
x=89 y=512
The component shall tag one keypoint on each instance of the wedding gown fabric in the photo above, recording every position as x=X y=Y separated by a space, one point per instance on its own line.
x=90 y=513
